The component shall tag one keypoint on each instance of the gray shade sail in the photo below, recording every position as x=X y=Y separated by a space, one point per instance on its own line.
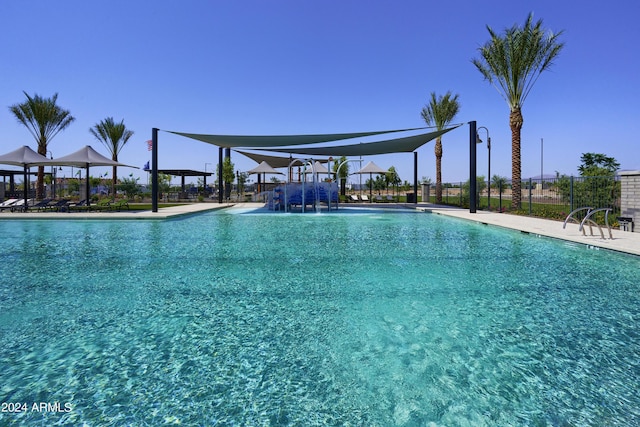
x=264 y=167
x=371 y=168
x=24 y=156
x=396 y=145
x=258 y=141
x=274 y=161
x=85 y=157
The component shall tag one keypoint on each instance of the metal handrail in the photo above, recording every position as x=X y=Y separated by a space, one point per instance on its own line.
x=590 y=221
x=570 y=217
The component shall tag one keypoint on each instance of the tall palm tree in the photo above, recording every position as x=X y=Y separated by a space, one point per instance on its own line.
x=439 y=113
x=512 y=63
x=44 y=119
x=114 y=136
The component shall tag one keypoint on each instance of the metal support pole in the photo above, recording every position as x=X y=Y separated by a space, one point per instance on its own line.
x=530 y=195
x=220 y=187
x=541 y=160
x=154 y=170
x=87 y=187
x=227 y=189
x=415 y=177
x=26 y=186
x=489 y=173
x=473 y=135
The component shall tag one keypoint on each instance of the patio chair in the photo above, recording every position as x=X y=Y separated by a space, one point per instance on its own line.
x=78 y=206
x=59 y=206
x=7 y=204
x=354 y=198
x=38 y=206
x=364 y=198
x=19 y=205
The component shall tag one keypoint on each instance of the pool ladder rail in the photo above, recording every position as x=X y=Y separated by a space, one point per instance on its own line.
x=588 y=221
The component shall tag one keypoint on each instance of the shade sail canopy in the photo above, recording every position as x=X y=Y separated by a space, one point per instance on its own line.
x=85 y=157
x=273 y=161
x=260 y=141
x=264 y=167
x=371 y=168
x=184 y=172
x=396 y=145
x=24 y=156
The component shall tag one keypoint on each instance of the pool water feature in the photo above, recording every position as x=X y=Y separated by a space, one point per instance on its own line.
x=371 y=319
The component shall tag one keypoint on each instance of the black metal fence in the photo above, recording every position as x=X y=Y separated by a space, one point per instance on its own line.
x=548 y=197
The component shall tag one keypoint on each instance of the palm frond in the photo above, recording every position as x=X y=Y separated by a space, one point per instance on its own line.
x=441 y=110
x=512 y=62
x=42 y=117
x=112 y=135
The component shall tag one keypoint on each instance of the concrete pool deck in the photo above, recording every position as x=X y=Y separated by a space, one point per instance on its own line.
x=622 y=241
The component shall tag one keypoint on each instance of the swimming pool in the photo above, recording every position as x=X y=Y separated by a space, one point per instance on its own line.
x=372 y=319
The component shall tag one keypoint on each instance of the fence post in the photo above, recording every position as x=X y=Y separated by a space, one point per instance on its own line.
x=530 y=190
x=571 y=193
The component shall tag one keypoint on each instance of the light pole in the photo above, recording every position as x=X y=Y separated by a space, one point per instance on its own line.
x=488 y=166
x=541 y=157
x=53 y=177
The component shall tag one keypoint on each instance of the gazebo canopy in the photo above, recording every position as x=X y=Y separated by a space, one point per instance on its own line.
x=318 y=168
x=264 y=167
x=24 y=156
x=86 y=157
x=371 y=168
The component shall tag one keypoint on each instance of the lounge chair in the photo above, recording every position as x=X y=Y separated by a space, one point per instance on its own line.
x=390 y=199
x=378 y=199
x=59 y=206
x=19 y=205
x=364 y=198
x=78 y=206
x=354 y=198
x=7 y=204
x=41 y=205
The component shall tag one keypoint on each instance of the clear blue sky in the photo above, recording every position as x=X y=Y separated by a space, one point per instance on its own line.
x=290 y=67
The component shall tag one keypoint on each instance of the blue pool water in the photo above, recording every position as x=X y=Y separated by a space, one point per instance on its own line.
x=373 y=319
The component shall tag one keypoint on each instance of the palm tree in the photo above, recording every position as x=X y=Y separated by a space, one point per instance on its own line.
x=114 y=136
x=44 y=119
x=439 y=113
x=512 y=63
x=392 y=178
